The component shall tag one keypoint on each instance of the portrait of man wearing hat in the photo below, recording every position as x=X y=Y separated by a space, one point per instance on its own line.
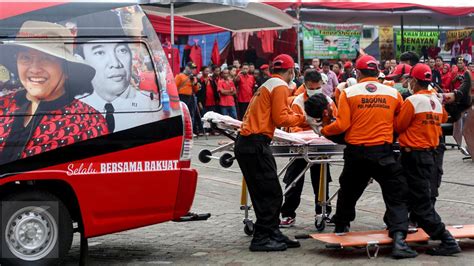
x=32 y=119
x=123 y=105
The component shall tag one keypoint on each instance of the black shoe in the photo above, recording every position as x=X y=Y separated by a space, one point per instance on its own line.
x=400 y=249
x=462 y=96
x=267 y=244
x=280 y=237
x=341 y=229
x=448 y=246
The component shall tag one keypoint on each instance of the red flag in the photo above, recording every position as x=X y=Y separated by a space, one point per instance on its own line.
x=215 y=56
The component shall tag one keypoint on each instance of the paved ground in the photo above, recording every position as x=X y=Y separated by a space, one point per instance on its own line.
x=221 y=239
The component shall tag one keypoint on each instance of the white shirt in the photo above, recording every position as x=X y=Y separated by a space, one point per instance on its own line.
x=132 y=108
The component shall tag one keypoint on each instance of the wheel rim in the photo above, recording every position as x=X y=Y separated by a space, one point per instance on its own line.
x=31 y=233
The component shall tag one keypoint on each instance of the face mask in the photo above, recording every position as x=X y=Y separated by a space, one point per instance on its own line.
x=311 y=92
x=398 y=86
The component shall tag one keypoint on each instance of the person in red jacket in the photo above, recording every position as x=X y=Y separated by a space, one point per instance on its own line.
x=446 y=78
x=419 y=126
x=245 y=84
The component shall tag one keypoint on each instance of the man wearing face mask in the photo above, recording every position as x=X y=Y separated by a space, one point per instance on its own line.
x=312 y=86
x=267 y=110
x=418 y=124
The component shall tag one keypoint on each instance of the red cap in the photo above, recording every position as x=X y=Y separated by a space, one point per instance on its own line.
x=283 y=61
x=400 y=70
x=348 y=64
x=366 y=62
x=264 y=66
x=421 y=72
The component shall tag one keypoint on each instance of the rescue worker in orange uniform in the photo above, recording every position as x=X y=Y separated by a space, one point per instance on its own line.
x=419 y=126
x=267 y=110
x=312 y=86
x=366 y=114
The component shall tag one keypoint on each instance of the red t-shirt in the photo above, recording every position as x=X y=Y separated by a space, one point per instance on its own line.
x=267 y=38
x=172 y=54
x=210 y=100
x=148 y=81
x=245 y=91
x=226 y=100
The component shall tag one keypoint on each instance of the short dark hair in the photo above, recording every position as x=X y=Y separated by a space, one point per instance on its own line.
x=231 y=67
x=213 y=67
x=315 y=105
x=423 y=83
x=251 y=64
x=245 y=64
x=439 y=57
x=279 y=71
x=326 y=63
x=411 y=57
x=312 y=76
x=338 y=64
x=370 y=72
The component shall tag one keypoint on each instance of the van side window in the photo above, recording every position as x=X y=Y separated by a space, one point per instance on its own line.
x=125 y=78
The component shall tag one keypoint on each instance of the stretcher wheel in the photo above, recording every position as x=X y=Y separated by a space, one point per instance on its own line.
x=226 y=160
x=320 y=225
x=204 y=156
x=249 y=228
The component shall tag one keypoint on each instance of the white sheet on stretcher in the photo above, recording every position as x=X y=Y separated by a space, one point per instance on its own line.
x=280 y=136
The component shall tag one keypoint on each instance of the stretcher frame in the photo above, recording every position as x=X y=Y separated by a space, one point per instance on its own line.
x=311 y=153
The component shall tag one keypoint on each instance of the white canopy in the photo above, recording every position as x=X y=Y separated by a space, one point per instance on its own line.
x=231 y=15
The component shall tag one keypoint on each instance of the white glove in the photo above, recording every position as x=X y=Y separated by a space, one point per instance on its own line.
x=315 y=124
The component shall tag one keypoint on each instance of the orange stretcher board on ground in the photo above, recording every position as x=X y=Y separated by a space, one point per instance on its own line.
x=366 y=238
x=462 y=231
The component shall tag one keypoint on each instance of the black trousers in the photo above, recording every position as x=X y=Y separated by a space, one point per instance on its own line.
x=191 y=104
x=293 y=197
x=242 y=108
x=377 y=162
x=419 y=168
x=259 y=168
x=435 y=179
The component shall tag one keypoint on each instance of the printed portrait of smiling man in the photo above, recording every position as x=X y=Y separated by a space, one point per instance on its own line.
x=123 y=105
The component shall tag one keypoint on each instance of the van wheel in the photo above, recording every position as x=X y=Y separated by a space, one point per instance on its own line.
x=36 y=229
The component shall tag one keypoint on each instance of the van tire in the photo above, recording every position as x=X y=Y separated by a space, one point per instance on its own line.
x=40 y=229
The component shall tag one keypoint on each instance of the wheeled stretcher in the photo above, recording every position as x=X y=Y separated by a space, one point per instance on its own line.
x=302 y=145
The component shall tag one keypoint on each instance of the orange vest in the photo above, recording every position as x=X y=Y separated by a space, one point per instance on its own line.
x=366 y=112
x=419 y=121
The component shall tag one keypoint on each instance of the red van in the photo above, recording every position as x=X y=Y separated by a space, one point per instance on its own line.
x=84 y=147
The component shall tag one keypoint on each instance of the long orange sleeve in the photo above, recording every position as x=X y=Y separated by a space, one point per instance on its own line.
x=282 y=115
x=343 y=118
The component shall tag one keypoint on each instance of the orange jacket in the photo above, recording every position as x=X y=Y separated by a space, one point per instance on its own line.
x=366 y=112
x=301 y=89
x=419 y=121
x=269 y=109
x=184 y=85
x=298 y=107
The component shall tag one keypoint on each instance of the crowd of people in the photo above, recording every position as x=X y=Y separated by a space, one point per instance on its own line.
x=365 y=106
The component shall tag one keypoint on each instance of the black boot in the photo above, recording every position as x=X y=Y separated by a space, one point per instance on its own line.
x=462 y=96
x=400 y=248
x=448 y=246
x=266 y=244
x=278 y=236
x=341 y=228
